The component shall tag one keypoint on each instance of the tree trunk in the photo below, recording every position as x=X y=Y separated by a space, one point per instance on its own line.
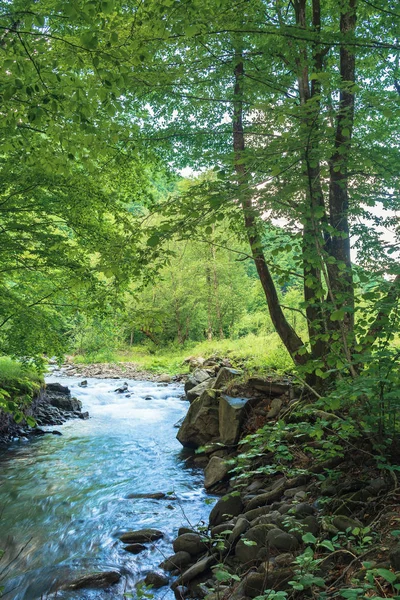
x=289 y=337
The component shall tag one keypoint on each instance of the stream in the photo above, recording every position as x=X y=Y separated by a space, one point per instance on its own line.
x=63 y=499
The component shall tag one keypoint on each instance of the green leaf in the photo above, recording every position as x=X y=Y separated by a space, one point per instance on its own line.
x=309 y=538
x=386 y=574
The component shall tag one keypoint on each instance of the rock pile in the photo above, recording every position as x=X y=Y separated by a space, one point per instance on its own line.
x=57 y=406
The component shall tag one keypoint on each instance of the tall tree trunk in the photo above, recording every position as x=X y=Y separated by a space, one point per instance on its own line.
x=289 y=337
x=341 y=278
x=316 y=219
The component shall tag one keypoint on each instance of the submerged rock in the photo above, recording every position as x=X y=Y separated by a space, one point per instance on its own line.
x=150 y=496
x=94 y=580
x=141 y=536
x=135 y=548
x=123 y=389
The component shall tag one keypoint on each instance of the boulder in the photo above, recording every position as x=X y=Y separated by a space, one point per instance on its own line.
x=215 y=471
x=176 y=561
x=273 y=388
x=241 y=526
x=196 y=570
x=226 y=507
x=198 y=376
x=232 y=412
x=259 y=535
x=194 y=362
x=65 y=402
x=225 y=375
x=256 y=583
x=281 y=540
x=57 y=388
x=141 y=536
x=164 y=378
x=196 y=391
x=156 y=580
x=94 y=580
x=190 y=543
x=201 y=424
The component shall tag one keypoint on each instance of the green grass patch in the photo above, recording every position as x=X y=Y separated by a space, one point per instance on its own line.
x=255 y=353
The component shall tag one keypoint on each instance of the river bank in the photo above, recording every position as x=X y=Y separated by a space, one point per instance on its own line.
x=304 y=507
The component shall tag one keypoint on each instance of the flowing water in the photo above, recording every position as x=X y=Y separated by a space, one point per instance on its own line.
x=63 y=499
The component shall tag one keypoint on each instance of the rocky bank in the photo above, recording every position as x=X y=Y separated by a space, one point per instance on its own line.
x=329 y=527
x=52 y=405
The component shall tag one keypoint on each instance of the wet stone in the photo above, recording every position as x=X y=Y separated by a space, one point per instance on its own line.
x=156 y=580
x=176 y=561
x=94 y=580
x=141 y=536
x=135 y=548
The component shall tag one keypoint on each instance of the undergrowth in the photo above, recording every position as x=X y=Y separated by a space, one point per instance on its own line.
x=257 y=353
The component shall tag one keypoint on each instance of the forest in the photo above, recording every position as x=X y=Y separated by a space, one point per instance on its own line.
x=210 y=179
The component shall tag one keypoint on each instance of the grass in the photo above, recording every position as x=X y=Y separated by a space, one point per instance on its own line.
x=259 y=354
x=13 y=370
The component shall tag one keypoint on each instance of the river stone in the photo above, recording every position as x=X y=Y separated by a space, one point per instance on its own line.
x=141 y=536
x=258 y=534
x=176 y=561
x=58 y=389
x=200 y=425
x=256 y=583
x=135 y=548
x=198 y=376
x=225 y=375
x=241 y=526
x=197 y=391
x=251 y=515
x=189 y=542
x=281 y=540
x=303 y=509
x=150 y=496
x=273 y=388
x=232 y=412
x=65 y=403
x=275 y=408
x=164 y=378
x=196 y=570
x=94 y=580
x=156 y=580
x=269 y=496
x=226 y=507
x=342 y=522
x=216 y=470
x=222 y=530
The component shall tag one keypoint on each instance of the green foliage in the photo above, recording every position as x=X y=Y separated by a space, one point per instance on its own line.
x=19 y=382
